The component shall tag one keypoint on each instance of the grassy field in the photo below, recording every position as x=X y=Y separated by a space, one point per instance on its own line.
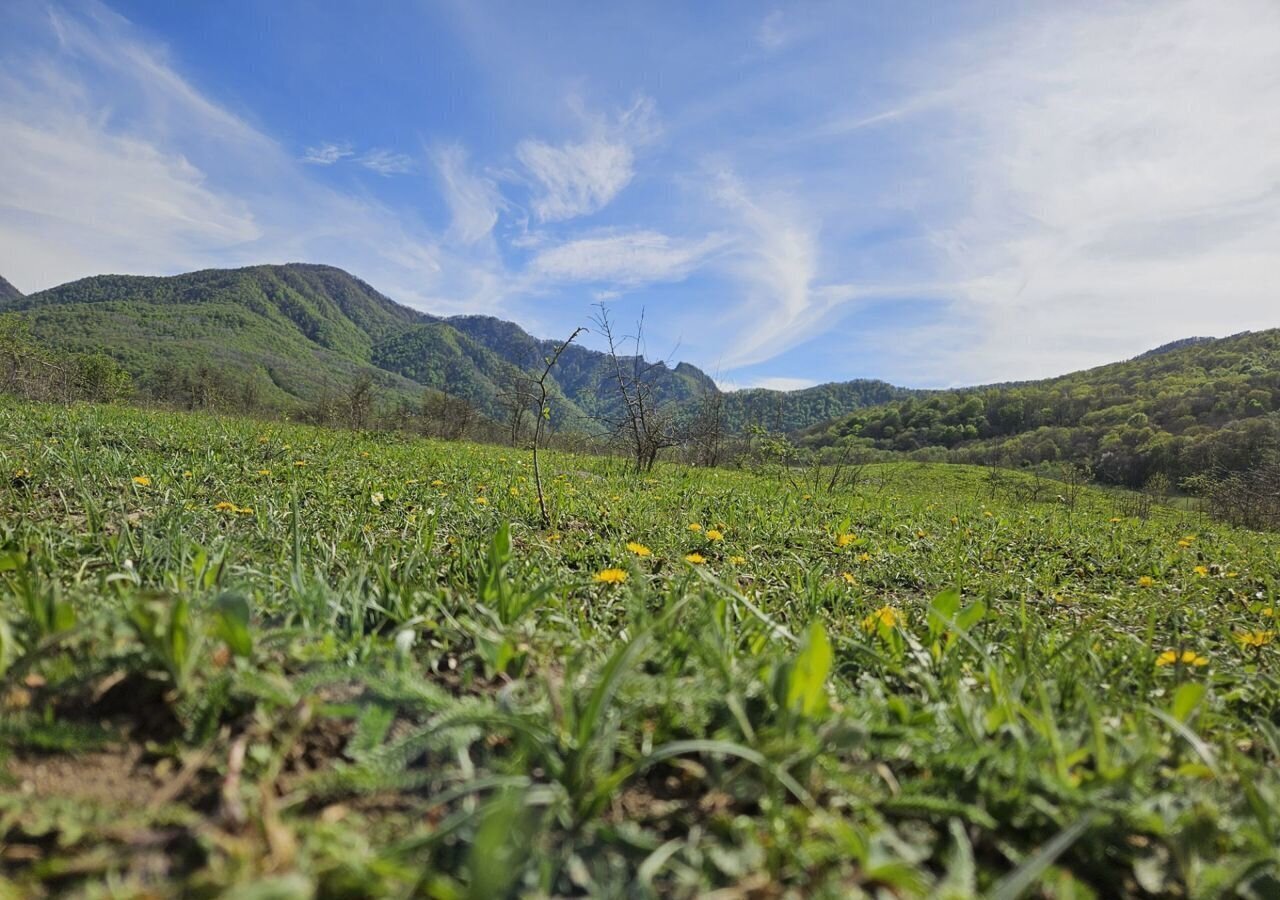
x=268 y=661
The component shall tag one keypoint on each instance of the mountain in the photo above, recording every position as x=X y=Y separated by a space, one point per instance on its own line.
x=8 y=293
x=281 y=335
x=285 y=336
x=1183 y=409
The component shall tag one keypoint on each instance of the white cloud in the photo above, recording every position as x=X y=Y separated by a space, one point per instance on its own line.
x=626 y=258
x=776 y=261
x=113 y=162
x=575 y=179
x=326 y=154
x=386 y=162
x=473 y=201
x=579 y=178
x=1125 y=184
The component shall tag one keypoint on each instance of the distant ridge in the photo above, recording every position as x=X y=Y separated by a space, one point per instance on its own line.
x=8 y=293
x=288 y=336
x=1177 y=345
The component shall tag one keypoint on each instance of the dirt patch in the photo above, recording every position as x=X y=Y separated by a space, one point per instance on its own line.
x=106 y=778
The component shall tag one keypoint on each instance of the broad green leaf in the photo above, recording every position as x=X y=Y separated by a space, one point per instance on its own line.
x=1185 y=700
x=231 y=623
x=806 y=691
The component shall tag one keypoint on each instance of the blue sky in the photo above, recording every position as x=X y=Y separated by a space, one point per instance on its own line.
x=930 y=193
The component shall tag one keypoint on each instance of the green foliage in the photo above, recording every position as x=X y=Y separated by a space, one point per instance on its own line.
x=1188 y=409
x=243 y=658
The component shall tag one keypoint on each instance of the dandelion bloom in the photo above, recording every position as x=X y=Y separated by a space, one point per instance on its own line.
x=844 y=540
x=922 y=534
x=864 y=557
x=225 y=506
x=1255 y=638
x=848 y=577
x=186 y=474
x=737 y=560
x=639 y=549
x=611 y=576
x=481 y=501
x=1146 y=581
x=244 y=510
x=299 y=463
x=694 y=526
x=264 y=471
x=142 y=480
x=437 y=483
x=714 y=535
x=1201 y=570
x=1115 y=519
x=885 y=616
x=1186 y=658
x=696 y=559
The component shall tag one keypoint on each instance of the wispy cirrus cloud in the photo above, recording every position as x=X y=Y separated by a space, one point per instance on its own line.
x=327 y=154
x=1125 y=185
x=474 y=200
x=386 y=162
x=378 y=160
x=581 y=177
x=116 y=163
x=624 y=258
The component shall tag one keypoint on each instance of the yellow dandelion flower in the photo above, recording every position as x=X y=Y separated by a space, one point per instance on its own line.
x=922 y=534
x=639 y=549
x=1202 y=571
x=299 y=463
x=1115 y=519
x=885 y=616
x=244 y=510
x=553 y=538
x=1185 y=657
x=696 y=559
x=848 y=577
x=142 y=481
x=611 y=576
x=737 y=560
x=513 y=491
x=225 y=506
x=864 y=557
x=186 y=474
x=714 y=535
x=844 y=540
x=481 y=501
x=988 y=514
x=1255 y=638
x=1268 y=612
x=694 y=526
x=264 y=471
x=1146 y=581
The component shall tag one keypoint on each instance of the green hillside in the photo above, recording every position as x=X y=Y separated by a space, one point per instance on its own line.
x=8 y=293
x=1183 y=409
x=281 y=337
x=282 y=334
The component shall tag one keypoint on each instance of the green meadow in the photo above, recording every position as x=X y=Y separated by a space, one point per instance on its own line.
x=248 y=659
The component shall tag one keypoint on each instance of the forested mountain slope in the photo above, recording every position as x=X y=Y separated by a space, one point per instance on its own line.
x=283 y=336
x=1191 y=407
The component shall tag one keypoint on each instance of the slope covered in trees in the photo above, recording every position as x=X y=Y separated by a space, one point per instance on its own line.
x=8 y=293
x=1188 y=409
x=284 y=337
